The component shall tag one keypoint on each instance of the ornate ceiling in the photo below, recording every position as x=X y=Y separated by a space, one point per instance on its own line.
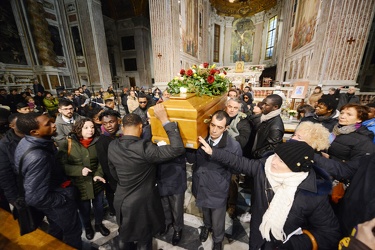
x=241 y=8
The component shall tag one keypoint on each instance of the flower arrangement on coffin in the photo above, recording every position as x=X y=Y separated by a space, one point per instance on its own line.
x=202 y=80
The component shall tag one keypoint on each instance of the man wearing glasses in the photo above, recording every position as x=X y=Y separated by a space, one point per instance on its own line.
x=65 y=119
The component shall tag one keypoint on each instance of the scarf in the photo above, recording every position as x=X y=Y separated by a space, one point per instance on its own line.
x=285 y=186
x=322 y=118
x=342 y=130
x=270 y=115
x=86 y=142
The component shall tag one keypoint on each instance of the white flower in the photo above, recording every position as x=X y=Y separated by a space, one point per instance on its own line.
x=222 y=75
x=183 y=90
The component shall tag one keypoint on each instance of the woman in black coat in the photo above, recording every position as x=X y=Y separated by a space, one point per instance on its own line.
x=290 y=196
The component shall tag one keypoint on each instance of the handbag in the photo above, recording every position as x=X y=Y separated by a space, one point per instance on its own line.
x=29 y=218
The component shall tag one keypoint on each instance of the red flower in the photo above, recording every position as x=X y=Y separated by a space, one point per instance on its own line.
x=210 y=79
x=182 y=72
x=225 y=72
x=205 y=65
x=189 y=72
x=212 y=71
x=217 y=71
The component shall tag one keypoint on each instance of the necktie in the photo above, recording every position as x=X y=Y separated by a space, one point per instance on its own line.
x=211 y=142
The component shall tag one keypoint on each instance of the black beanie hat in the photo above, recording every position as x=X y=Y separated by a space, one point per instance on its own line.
x=297 y=155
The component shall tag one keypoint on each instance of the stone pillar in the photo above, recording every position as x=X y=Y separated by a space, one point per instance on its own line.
x=228 y=40
x=259 y=21
x=94 y=42
x=41 y=33
x=164 y=20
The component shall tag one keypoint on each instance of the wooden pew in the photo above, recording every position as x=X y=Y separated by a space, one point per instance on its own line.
x=10 y=236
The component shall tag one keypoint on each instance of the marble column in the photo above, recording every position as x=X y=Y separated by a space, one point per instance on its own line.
x=41 y=33
x=228 y=40
x=94 y=42
x=259 y=21
x=164 y=20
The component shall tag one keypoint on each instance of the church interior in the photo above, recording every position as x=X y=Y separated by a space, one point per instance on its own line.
x=266 y=44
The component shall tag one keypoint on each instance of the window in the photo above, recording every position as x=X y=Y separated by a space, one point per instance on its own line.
x=216 y=42
x=271 y=37
x=127 y=43
x=130 y=64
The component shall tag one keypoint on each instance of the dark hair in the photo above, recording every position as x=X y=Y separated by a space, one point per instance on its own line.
x=318 y=87
x=21 y=105
x=68 y=94
x=108 y=101
x=13 y=116
x=92 y=113
x=65 y=102
x=275 y=99
x=371 y=105
x=329 y=101
x=362 y=111
x=305 y=108
x=220 y=115
x=131 y=119
x=109 y=113
x=233 y=90
x=27 y=122
x=77 y=128
x=141 y=95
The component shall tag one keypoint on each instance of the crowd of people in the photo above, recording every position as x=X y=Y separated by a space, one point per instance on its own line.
x=82 y=154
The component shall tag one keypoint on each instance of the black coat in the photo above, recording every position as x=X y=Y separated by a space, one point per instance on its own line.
x=358 y=204
x=133 y=163
x=310 y=210
x=328 y=123
x=352 y=146
x=210 y=178
x=269 y=134
x=8 y=178
x=43 y=175
x=102 y=151
x=171 y=177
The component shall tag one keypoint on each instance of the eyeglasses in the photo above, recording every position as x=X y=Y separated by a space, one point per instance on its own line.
x=142 y=102
x=246 y=98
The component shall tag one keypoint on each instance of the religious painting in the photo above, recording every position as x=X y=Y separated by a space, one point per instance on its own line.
x=240 y=65
x=300 y=90
x=11 y=50
x=305 y=23
x=242 y=40
x=56 y=40
x=189 y=27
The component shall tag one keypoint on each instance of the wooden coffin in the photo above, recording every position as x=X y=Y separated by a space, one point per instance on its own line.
x=192 y=114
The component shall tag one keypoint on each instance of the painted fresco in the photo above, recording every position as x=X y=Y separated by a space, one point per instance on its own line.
x=11 y=50
x=306 y=23
x=189 y=27
x=242 y=38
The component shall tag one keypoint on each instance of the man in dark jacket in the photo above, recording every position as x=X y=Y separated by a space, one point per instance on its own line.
x=348 y=97
x=46 y=187
x=325 y=112
x=172 y=184
x=8 y=144
x=132 y=162
x=271 y=128
x=110 y=120
x=211 y=179
x=65 y=119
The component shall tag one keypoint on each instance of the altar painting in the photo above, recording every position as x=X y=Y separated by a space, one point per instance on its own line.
x=189 y=27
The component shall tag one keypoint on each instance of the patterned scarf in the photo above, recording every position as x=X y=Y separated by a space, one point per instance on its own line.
x=285 y=186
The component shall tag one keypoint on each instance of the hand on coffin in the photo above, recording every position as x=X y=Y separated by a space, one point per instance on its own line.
x=205 y=146
x=161 y=113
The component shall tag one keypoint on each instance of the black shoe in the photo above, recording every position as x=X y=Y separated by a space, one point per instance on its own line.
x=165 y=229
x=204 y=234
x=176 y=237
x=217 y=246
x=102 y=229
x=89 y=232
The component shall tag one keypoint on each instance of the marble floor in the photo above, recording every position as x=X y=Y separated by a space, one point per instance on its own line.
x=237 y=230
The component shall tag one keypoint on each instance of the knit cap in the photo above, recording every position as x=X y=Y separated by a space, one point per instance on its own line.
x=297 y=155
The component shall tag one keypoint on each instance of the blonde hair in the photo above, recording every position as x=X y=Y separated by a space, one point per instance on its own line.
x=318 y=135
